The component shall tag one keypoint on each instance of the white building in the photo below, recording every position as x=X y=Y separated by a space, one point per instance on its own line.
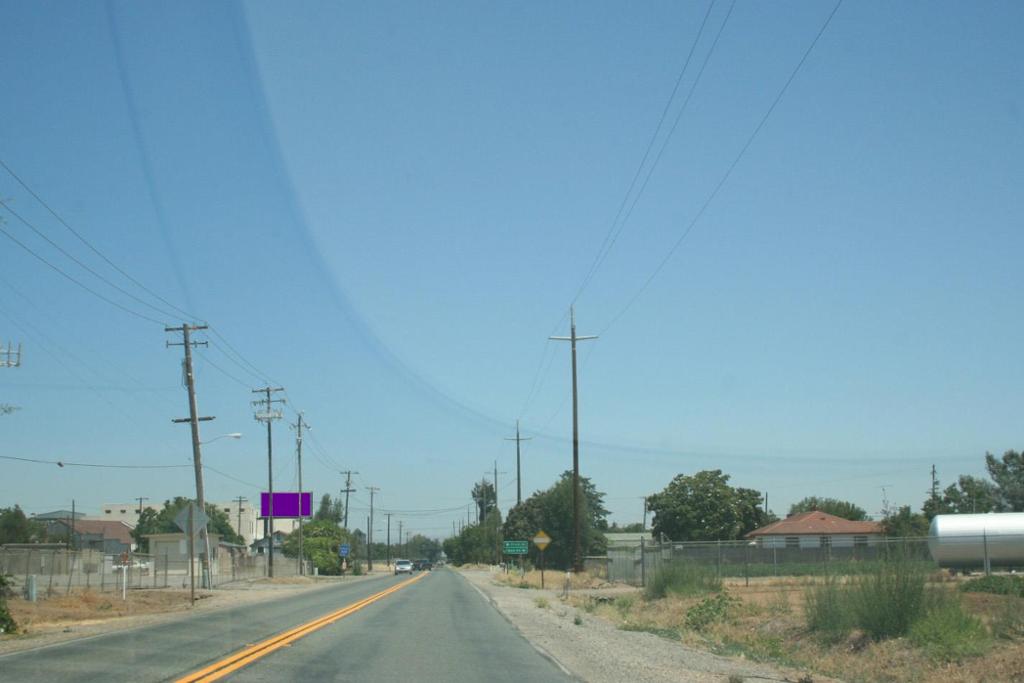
x=118 y=512
x=244 y=519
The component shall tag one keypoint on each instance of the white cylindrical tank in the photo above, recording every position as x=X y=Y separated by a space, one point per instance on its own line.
x=964 y=541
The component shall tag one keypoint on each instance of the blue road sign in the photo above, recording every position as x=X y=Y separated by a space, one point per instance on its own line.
x=343 y=549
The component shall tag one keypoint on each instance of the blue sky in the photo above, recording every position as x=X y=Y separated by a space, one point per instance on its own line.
x=388 y=208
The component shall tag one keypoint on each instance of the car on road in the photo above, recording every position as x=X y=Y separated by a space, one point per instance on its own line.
x=403 y=567
x=422 y=565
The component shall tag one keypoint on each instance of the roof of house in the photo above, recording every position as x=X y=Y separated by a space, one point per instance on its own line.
x=815 y=523
x=106 y=528
x=627 y=537
x=57 y=515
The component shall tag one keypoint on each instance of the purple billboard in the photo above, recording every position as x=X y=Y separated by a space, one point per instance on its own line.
x=286 y=504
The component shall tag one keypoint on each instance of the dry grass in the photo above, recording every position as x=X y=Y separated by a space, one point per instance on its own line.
x=88 y=607
x=767 y=623
x=553 y=580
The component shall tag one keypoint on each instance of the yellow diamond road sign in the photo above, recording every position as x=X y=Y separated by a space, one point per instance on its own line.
x=541 y=540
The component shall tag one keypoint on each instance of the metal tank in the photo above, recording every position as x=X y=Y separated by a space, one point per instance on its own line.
x=994 y=539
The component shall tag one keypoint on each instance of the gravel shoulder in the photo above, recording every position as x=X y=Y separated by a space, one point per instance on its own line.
x=598 y=652
x=67 y=625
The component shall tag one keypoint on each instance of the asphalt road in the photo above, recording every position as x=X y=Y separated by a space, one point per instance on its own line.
x=438 y=628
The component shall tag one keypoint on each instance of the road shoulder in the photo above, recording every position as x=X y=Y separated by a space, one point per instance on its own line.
x=594 y=650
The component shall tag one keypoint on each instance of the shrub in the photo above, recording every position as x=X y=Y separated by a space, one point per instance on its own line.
x=887 y=602
x=946 y=632
x=999 y=585
x=541 y=602
x=708 y=611
x=578 y=620
x=826 y=606
x=1008 y=622
x=357 y=568
x=7 y=623
x=681 y=578
x=623 y=604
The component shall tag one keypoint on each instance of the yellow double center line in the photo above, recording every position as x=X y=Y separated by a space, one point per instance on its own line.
x=222 y=668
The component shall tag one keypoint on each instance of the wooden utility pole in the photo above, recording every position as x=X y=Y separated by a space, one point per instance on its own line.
x=298 y=451
x=347 y=490
x=268 y=415
x=240 y=500
x=519 y=475
x=140 y=499
x=401 y=548
x=388 y=514
x=194 y=419
x=369 y=530
x=577 y=555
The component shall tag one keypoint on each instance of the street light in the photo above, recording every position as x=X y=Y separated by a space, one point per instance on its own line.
x=233 y=435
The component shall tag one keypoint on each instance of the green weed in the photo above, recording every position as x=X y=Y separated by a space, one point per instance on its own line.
x=947 y=633
x=999 y=585
x=709 y=610
x=682 y=578
x=542 y=603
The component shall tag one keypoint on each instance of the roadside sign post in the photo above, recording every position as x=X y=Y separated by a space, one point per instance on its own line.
x=541 y=540
x=343 y=550
x=189 y=520
x=520 y=548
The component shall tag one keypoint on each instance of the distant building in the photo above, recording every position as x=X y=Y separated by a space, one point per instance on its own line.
x=259 y=547
x=817 y=529
x=243 y=519
x=110 y=538
x=119 y=512
x=57 y=515
x=627 y=539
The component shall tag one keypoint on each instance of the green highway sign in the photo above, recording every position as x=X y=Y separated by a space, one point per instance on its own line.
x=516 y=547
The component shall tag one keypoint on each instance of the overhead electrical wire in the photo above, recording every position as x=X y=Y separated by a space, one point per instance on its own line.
x=88 y=244
x=615 y=228
x=78 y=283
x=732 y=166
x=43 y=236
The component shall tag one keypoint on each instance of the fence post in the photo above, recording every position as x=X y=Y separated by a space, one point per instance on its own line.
x=28 y=563
x=71 y=570
x=643 y=563
x=53 y=563
x=746 y=566
x=719 y=567
x=988 y=563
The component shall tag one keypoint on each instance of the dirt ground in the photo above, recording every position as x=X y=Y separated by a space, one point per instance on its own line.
x=767 y=624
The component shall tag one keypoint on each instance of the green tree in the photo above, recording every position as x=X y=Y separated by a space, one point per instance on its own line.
x=320 y=541
x=15 y=527
x=1008 y=474
x=162 y=522
x=905 y=522
x=551 y=511
x=633 y=527
x=703 y=507
x=330 y=510
x=419 y=547
x=833 y=506
x=968 y=495
x=483 y=496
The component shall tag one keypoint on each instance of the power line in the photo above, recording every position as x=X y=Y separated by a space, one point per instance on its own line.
x=80 y=284
x=729 y=170
x=78 y=261
x=66 y=463
x=612 y=235
x=88 y=244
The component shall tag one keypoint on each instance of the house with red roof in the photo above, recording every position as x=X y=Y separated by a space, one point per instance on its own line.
x=817 y=529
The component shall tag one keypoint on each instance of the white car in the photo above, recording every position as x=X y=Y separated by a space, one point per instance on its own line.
x=403 y=567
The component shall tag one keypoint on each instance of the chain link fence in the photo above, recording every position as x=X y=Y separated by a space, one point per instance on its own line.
x=747 y=560
x=58 y=571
